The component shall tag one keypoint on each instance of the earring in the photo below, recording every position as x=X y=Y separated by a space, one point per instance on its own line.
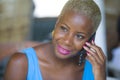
x=82 y=58
x=52 y=33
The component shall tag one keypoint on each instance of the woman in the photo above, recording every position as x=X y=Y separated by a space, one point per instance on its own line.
x=59 y=59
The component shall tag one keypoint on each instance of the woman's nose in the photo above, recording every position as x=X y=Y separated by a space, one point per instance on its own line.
x=68 y=39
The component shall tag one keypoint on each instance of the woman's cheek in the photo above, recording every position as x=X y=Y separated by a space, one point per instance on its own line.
x=79 y=44
x=59 y=35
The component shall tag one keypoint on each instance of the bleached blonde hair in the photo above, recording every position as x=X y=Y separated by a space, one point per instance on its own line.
x=87 y=7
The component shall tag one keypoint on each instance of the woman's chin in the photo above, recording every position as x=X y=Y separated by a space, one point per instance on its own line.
x=61 y=56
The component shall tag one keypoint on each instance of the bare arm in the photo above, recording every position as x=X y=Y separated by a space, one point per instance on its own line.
x=16 y=68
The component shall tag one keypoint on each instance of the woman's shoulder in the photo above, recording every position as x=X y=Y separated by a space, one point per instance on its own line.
x=17 y=64
x=18 y=59
x=18 y=56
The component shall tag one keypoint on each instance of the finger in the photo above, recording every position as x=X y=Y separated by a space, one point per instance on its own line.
x=100 y=59
x=101 y=53
x=90 y=58
x=93 y=56
x=93 y=42
x=97 y=49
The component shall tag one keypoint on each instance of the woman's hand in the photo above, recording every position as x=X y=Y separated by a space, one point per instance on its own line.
x=98 y=60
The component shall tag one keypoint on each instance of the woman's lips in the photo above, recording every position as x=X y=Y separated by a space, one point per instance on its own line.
x=63 y=50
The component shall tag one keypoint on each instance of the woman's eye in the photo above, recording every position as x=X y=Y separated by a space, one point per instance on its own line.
x=79 y=36
x=63 y=28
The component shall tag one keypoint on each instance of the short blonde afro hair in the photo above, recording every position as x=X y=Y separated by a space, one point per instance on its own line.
x=87 y=7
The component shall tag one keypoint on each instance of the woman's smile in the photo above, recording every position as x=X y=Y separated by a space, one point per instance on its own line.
x=63 y=50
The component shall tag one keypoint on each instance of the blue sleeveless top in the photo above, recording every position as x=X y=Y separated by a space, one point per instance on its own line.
x=34 y=72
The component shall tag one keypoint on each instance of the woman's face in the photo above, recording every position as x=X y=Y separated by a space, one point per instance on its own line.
x=71 y=32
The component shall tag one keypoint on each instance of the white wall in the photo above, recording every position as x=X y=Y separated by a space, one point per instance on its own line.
x=48 y=8
x=101 y=32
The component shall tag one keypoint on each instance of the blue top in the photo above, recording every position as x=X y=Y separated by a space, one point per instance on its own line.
x=34 y=72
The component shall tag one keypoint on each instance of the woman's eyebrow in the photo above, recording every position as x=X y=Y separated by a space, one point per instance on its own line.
x=66 y=25
x=82 y=33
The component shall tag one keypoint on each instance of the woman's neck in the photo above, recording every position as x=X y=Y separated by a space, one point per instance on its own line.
x=63 y=62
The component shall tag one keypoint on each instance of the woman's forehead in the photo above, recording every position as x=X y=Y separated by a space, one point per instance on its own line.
x=76 y=21
x=76 y=17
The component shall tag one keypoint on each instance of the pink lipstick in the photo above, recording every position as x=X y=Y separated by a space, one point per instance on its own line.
x=63 y=50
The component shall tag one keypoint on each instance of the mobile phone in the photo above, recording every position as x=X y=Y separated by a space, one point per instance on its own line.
x=82 y=52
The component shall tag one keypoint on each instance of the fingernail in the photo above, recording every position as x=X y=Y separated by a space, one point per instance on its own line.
x=88 y=53
x=93 y=42
x=87 y=43
x=84 y=47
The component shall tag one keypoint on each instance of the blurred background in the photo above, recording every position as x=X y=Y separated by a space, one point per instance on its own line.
x=26 y=23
